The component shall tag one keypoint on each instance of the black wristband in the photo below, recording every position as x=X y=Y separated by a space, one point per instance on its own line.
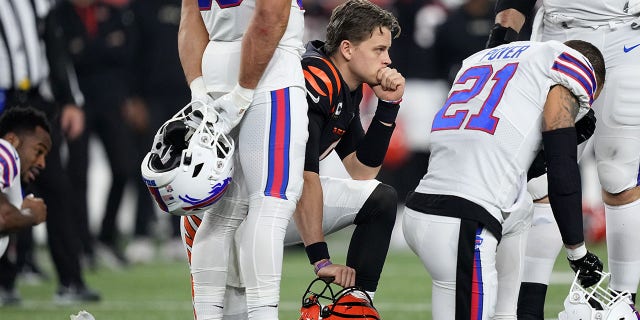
x=387 y=111
x=565 y=188
x=523 y=6
x=500 y=35
x=317 y=251
x=374 y=145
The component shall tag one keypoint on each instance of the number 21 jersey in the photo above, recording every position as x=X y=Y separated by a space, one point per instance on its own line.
x=486 y=135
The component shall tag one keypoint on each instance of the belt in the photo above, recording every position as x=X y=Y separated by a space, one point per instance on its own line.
x=571 y=22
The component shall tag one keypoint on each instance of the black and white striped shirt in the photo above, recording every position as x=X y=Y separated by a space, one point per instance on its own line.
x=24 y=62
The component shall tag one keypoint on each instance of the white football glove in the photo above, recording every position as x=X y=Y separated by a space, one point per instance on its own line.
x=632 y=7
x=199 y=91
x=232 y=106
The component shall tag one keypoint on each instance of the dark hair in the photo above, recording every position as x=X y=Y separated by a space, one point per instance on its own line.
x=356 y=20
x=593 y=55
x=22 y=120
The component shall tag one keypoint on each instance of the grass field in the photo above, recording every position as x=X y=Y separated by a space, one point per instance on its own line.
x=161 y=290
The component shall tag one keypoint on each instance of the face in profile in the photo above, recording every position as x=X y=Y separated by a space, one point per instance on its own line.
x=371 y=55
x=33 y=148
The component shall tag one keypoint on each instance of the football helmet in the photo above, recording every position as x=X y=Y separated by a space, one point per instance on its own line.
x=597 y=303
x=190 y=164
x=348 y=303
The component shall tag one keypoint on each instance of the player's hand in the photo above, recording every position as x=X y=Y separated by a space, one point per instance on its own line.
x=586 y=126
x=500 y=35
x=36 y=207
x=199 y=91
x=589 y=268
x=232 y=107
x=390 y=85
x=342 y=275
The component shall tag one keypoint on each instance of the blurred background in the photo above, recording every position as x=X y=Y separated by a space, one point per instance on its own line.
x=125 y=56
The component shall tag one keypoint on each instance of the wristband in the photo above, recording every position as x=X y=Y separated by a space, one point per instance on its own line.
x=322 y=264
x=198 y=89
x=317 y=251
x=577 y=253
x=392 y=101
x=501 y=35
x=242 y=95
x=375 y=143
x=387 y=111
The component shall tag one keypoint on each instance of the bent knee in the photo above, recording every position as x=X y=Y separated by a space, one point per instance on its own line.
x=381 y=204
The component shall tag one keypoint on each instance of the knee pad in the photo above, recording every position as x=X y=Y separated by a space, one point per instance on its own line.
x=381 y=204
x=617 y=165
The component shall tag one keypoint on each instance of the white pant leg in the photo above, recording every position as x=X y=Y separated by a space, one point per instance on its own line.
x=543 y=245
x=623 y=223
x=342 y=200
x=271 y=148
x=435 y=240
x=209 y=257
x=509 y=264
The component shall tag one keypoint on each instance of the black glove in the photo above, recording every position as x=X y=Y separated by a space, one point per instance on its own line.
x=538 y=166
x=501 y=35
x=586 y=126
x=590 y=267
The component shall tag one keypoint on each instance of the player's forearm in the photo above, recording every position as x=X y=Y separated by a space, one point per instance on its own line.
x=192 y=40
x=308 y=214
x=358 y=170
x=12 y=219
x=265 y=30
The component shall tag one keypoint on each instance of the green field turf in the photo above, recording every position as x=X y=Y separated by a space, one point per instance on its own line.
x=161 y=290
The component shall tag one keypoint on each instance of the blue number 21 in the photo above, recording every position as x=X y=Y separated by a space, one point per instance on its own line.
x=484 y=120
x=206 y=4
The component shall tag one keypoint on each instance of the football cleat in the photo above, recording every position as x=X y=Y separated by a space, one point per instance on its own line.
x=597 y=303
x=190 y=165
x=349 y=303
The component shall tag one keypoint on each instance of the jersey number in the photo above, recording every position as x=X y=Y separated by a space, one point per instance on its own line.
x=206 y=4
x=484 y=120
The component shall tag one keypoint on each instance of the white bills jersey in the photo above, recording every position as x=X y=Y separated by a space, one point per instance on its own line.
x=226 y=22
x=9 y=180
x=486 y=135
x=588 y=10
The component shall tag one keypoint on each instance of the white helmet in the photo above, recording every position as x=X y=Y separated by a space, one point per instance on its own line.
x=597 y=303
x=190 y=164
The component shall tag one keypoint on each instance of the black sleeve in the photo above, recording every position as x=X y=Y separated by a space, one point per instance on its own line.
x=524 y=6
x=351 y=139
x=64 y=83
x=312 y=154
x=565 y=187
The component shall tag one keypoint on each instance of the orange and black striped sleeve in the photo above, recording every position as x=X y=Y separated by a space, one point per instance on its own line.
x=323 y=84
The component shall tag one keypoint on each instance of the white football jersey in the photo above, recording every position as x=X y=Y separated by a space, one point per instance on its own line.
x=226 y=22
x=486 y=135
x=588 y=10
x=9 y=180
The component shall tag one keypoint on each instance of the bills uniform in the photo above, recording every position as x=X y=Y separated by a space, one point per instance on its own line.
x=616 y=140
x=267 y=181
x=335 y=124
x=483 y=140
x=9 y=180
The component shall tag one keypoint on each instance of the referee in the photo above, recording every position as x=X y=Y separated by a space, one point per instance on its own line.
x=35 y=71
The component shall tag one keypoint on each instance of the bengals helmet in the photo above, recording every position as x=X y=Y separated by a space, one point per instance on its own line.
x=348 y=303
